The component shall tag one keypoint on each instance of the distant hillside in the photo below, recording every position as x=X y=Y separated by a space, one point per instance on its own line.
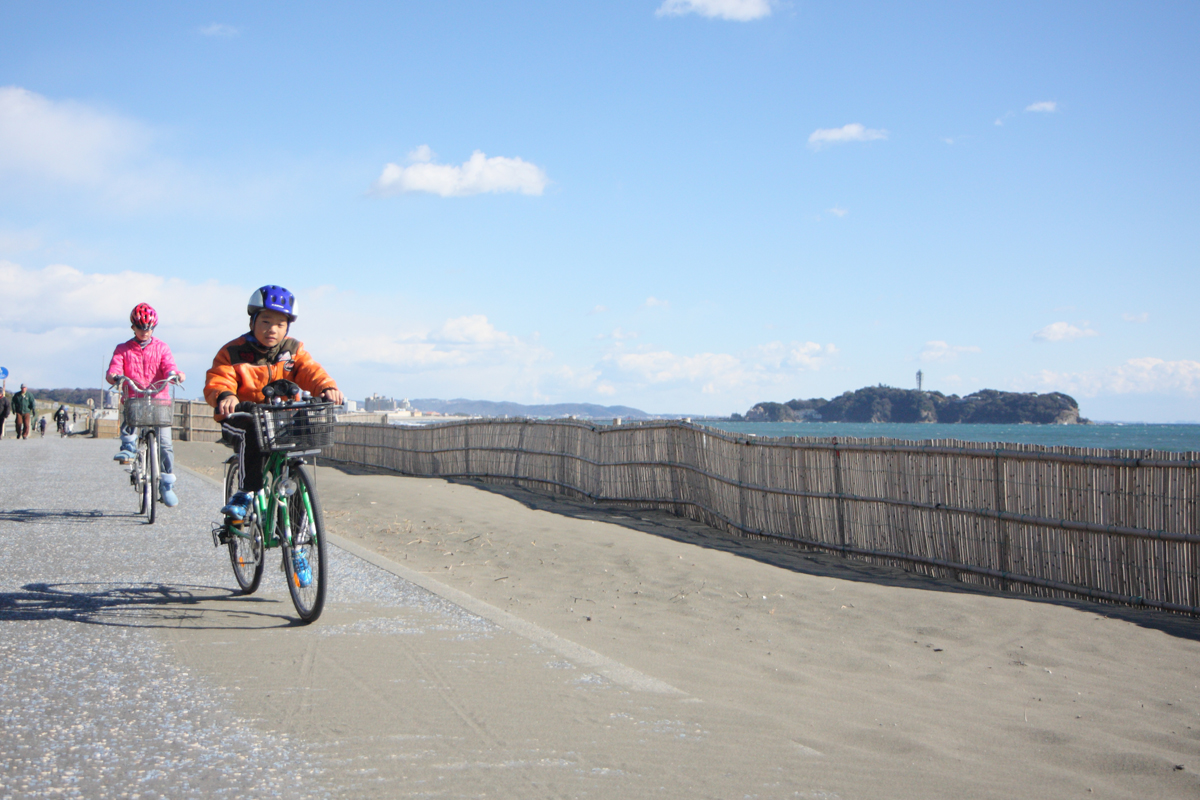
x=888 y=404
x=73 y=396
x=489 y=408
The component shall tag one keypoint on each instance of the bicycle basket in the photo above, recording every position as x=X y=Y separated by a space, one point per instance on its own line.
x=151 y=412
x=308 y=427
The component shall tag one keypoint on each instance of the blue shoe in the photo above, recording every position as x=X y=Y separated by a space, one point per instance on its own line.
x=124 y=456
x=238 y=506
x=301 y=568
x=166 y=491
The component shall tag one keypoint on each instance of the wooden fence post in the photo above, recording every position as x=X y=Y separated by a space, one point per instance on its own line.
x=1004 y=555
x=837 y=490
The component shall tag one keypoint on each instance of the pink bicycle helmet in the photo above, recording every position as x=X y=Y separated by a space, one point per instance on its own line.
x=143 y=316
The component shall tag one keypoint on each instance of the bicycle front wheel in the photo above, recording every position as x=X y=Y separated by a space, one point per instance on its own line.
x=151 y=489
x=138 y=476
x=245 y=554
x=305 y=545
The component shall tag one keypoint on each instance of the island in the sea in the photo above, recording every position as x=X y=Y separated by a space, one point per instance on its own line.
x=889 y=404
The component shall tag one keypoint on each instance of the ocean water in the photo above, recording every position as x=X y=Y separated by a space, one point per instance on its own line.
x=1176 y=438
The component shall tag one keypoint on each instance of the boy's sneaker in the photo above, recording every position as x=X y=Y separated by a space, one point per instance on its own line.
x=301 y=568
x=238 y=506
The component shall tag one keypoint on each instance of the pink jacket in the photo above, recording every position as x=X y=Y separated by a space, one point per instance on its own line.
x=143 y=365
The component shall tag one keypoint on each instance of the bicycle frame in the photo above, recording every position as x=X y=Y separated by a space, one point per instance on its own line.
x=270 y=509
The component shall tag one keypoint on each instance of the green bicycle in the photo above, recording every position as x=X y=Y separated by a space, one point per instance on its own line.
x=286 y=513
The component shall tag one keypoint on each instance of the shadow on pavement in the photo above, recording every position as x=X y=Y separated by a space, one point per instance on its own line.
x=139 y=605
x=53 y=515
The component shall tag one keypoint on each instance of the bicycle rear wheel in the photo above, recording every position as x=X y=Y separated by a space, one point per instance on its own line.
x=307 y=539
x=245 y=554
x=151 y=439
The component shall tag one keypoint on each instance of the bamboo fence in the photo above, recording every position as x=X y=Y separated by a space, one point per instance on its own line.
x=193 y=422
x=1121 y=526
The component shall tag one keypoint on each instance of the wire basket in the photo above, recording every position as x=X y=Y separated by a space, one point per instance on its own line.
x=307 y=427
x=151 y=412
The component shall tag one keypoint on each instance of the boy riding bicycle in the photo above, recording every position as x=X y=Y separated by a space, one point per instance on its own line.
x=145 y=360
x=244 y=366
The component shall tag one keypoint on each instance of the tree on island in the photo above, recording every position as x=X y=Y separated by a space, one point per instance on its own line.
x=889 y=404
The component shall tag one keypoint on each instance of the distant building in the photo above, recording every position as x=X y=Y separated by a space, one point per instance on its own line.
x=350 y=406
x=377 y=402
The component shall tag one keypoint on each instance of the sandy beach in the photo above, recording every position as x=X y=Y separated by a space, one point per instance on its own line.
x=812 y=670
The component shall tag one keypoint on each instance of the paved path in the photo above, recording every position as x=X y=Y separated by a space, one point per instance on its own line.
x=129 y=668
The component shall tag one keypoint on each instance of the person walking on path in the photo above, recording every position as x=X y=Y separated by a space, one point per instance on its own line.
x=41 y=426
x=24 y=408
x=5 y=410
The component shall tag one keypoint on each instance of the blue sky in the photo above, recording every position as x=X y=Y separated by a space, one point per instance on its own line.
x=684 y=206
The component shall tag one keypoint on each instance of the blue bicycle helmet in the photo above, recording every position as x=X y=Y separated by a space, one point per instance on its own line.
x=275 y=298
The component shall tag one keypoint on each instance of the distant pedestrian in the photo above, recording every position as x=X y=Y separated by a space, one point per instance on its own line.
x=42 y=426
x=5 y=410
x=24 y=408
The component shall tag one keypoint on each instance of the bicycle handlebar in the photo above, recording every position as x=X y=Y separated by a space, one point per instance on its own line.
x=152 y=389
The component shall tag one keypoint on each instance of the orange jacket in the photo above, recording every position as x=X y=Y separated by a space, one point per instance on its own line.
x=240 y=368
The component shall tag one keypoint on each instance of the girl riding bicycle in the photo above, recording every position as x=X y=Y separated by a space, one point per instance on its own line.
x=145 y=360
x=244 y=366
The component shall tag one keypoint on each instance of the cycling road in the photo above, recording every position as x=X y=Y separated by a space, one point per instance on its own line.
x=129 y=667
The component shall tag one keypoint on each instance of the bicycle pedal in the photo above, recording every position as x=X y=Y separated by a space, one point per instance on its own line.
x=220 y=535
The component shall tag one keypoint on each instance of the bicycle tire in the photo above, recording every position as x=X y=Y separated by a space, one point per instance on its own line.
x=245 y=555
x=307 y=533
x=138 y=475
x=152 y=472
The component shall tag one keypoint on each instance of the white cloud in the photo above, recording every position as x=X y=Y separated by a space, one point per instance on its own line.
x=838 y=211
x=65 y=141
x=1063 y=332
x=754 y=369
x=1136 y=376
x=219 y=29
x=618 y=335
x=60 y=325
x=598 y=309
x=478 y=175
x=942 y=351
x=1137 y=318
x=654 y=302
x=62 y=149
x=854 y=132
x=1044 y=107
x=737 y=10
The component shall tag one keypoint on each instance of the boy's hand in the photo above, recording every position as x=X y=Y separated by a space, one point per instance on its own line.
x=228 y=405
x=334 y=396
